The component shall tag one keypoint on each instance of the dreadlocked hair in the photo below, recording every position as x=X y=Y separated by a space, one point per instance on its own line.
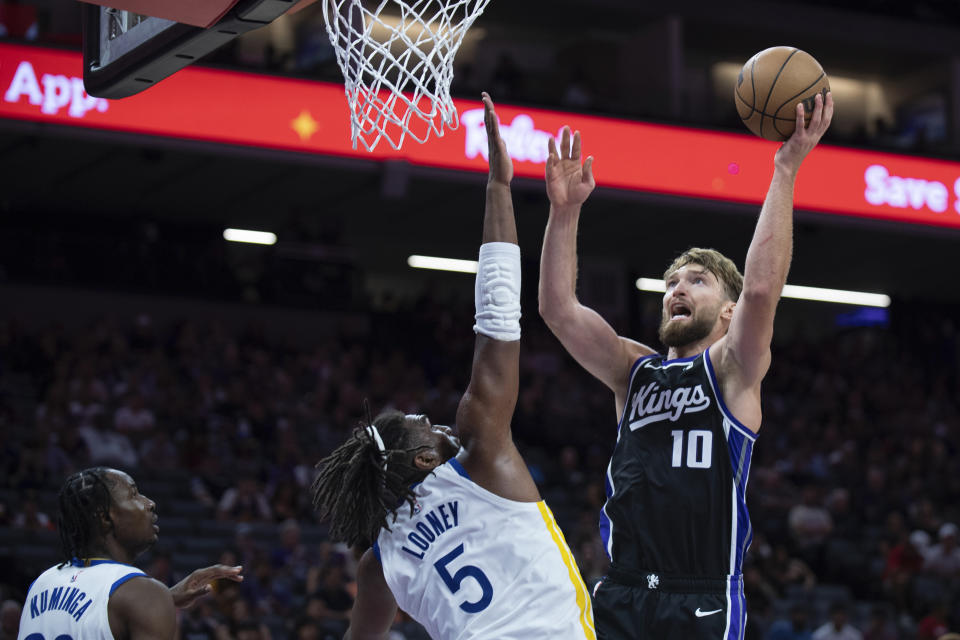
x=359 y=487
x=84 y=499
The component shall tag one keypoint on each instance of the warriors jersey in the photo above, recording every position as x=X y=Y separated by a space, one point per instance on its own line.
x=69 y=602
x=471 y=564
x=676 y=484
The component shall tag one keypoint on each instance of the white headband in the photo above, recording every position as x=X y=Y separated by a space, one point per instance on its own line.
x=372 y=431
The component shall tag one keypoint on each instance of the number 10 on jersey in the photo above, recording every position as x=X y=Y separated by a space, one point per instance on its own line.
x=699 y=448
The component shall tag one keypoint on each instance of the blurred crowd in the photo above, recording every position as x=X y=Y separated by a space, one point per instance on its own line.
x=853 y=497
x=854 y=492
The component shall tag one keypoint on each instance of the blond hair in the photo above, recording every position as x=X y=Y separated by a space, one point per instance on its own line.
x=714 y=262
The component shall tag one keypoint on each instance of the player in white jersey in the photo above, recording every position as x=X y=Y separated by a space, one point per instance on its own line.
x=460 y=538
x=96 y=593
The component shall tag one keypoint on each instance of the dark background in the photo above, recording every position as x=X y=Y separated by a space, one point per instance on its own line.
x=115 y=282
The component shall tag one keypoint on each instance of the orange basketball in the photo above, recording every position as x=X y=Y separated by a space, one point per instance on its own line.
x=771 y=84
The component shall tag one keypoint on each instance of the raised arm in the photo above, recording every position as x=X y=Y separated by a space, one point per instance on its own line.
x=743 y=355
x=583 y=332
x=375 y=607
x=486 y=408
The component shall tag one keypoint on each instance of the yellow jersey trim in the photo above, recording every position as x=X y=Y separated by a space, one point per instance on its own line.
x=583 y=598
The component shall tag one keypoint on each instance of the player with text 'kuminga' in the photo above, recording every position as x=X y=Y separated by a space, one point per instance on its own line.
x=96 y=593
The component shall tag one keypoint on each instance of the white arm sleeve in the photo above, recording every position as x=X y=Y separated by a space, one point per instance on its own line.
x=497 y=294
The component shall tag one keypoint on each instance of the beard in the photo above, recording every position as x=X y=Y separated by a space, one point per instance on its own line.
x=679 y=333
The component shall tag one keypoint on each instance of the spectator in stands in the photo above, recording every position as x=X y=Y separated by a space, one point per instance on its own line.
x=332 y=591
x=159 y=452
x=211 y=474
x=570 y=474
x=307 y=629
x=760 y=593
x=161 y=567
x=943 y=559
x=240 y=620
x=66 y=453
x=925 y=515
x=200 y=622
x=785 y=570
x=292 y=557
x=878 y=625
x=284 y=502
x=838 y=628
x=244 y=502
x=9 y=454
x=9 y=619
x=795 y=628
x=589 y=552
x=329 y=623
x=772 y=496
x=265 y=592
x=87 y=397
x=934 y=624
x=904 y=561
x=921 y=542
x=246 y=548
x=133 y=417
x=107 y=447
x=248 y=630
x=846 y=524
x=30 y=517
x=874 y=497
x=31 y=471
x=810 y=524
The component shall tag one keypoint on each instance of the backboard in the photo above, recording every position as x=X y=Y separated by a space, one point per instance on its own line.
x=126 y=52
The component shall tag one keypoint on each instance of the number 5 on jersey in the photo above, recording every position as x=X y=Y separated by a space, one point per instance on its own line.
x=455 y=581
x=699 y=448
x=39 y=636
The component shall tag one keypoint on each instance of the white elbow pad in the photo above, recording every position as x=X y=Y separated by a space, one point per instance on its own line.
x=497 y=293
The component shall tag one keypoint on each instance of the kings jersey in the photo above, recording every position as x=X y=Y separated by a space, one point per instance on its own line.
x=676 y=483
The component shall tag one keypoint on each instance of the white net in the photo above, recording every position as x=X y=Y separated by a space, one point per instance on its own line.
x=397 y=63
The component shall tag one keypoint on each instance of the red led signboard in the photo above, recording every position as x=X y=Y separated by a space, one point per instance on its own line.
x=45 y=85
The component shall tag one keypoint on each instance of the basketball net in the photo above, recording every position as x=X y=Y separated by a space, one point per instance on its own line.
x=397 y=70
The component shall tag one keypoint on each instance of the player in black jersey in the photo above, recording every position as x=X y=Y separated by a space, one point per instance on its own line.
x=675 y=523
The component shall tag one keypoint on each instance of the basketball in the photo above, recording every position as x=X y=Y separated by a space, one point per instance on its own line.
x=771 y=84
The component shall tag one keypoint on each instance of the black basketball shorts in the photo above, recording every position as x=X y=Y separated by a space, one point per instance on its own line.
x=651 y=606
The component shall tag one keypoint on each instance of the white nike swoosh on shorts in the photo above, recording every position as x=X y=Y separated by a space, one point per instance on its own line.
x=701 y=614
